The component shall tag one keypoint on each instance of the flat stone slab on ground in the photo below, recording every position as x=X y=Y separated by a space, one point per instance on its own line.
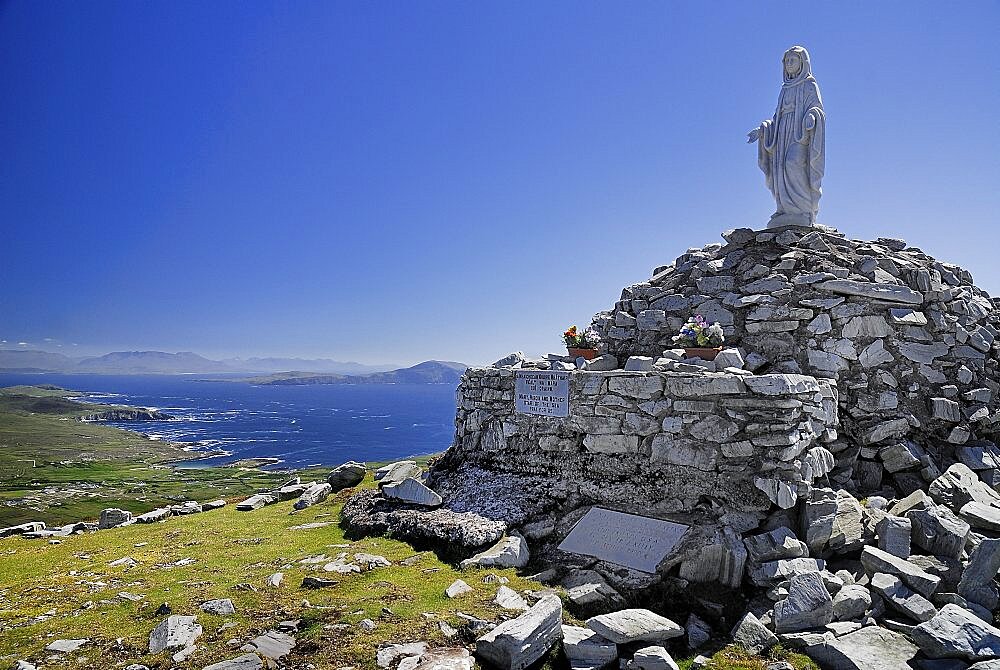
x=634 y=625
x=637 y=542
x=66 y=646
x=174 y=632
x=244 y=662
x=869 y=648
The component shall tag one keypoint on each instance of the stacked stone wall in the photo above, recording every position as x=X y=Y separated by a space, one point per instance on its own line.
x=655 y=442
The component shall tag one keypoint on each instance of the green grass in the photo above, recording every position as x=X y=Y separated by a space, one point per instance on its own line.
x=733 y=657
x=230 y=548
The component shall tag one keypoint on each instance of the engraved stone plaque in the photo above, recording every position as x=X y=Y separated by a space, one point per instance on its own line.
x=541 y=392
x=637 y=542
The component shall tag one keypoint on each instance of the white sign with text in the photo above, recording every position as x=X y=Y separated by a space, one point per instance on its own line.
x=541 y=392
x=637 y=542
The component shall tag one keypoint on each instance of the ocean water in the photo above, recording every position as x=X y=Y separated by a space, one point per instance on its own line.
x=301 y=425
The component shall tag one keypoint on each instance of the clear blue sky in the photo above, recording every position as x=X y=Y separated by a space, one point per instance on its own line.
x=396 y=181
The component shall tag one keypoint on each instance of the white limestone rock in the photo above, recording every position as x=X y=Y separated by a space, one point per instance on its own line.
x=876 y=560
x=257 y=501
x=752 y=635
x=273 y=645
x=639 y=363
x=652 y=658
x=219 y=607
x=244 y=662
x=516 y=644
x=509 y=599
x=509 y=552
x=808 y=605
x=312 y=495
x=457 y=588
x=66 y=646
x=901 y=598
x=634 y=625
x=113 y=518
x=586 y=650
x=346 y=475
x=851 y=602
x=410 y=491
x=955 y=632
x=394 y=473
x=868 y=648
x=174 y=632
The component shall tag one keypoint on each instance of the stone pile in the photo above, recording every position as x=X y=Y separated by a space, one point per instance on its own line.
x=909 y=340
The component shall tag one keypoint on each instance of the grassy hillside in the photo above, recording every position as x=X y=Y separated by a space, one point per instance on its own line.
x=230 y=549
x=57 y=469
x=69 y=591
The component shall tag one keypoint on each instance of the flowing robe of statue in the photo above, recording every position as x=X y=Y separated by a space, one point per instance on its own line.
x=791 y=147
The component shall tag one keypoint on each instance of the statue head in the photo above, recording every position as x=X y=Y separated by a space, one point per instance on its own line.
x=795 y=64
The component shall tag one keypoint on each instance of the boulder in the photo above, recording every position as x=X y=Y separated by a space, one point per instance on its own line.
x=876 y=560
x=412 y=492
x=65 y=646
x=29 y=527
x=959 y=485
x=444 y=658
x=257 y=501
x=894 y=535
x=174 y=632
x=752 y=635
x=114 y=517
x=160 y=514
x=219 y=607
x=586 y=650
x=312 y=495
x=978 y=583
x=509 y=599
x=396 y=472
x=272 y=644
x=900 y=598
x=868 y=648
x=832 y=522
x=346 y=475
x=509 y=552
x=699 y=632
x=980 y=516
x=388 y=654
x=634 y=625
x=955 y=632
x=520 y=642
x=851 y=602
x=938 y=531
x=652 y=658
x=808 y=605
x=457 y=588
x=773 y=545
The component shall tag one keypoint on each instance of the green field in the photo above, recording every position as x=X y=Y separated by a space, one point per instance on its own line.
x=57 y=469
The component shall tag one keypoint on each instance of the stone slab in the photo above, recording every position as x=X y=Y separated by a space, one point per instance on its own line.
x=637 y=542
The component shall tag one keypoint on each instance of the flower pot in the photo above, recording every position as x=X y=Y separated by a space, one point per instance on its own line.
x=589 y=354
x=704 y=353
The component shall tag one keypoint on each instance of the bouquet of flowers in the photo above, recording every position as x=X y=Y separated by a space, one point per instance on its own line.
x=577 y=340
x=697 y=332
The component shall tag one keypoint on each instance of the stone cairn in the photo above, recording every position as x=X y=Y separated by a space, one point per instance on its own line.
x=834 y=466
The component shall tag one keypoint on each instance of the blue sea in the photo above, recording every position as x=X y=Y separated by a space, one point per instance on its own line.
x=301 y=425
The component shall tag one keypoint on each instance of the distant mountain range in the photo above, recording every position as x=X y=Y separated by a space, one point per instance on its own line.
x=428 y=372
x=185 y=362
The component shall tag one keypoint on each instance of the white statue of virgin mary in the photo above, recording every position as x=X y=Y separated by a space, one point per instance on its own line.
x=790 y=145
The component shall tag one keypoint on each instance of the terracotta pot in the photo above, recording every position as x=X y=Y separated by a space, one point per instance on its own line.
x=704 y=353
x=589 y=354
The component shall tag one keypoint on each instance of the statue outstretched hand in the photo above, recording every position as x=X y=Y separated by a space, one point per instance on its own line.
x=753 y=136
